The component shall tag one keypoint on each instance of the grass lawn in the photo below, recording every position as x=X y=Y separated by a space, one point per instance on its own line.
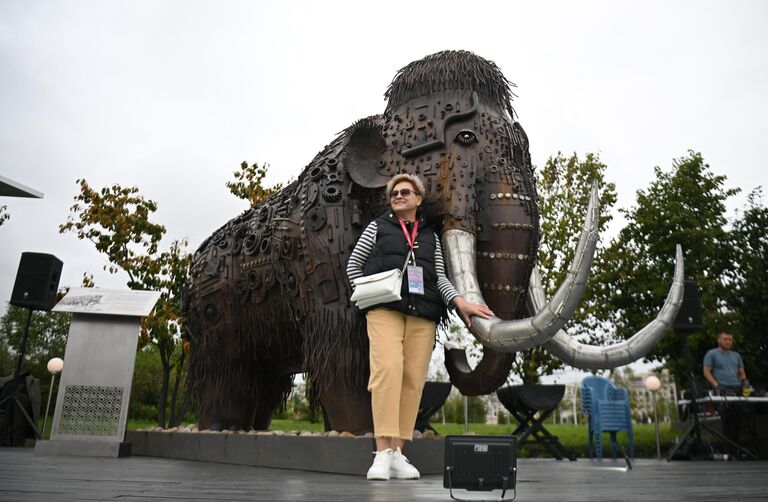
x=573 y=437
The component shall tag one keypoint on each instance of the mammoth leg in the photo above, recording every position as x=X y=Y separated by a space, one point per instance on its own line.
x=271 y=393
x=336 y=362
x=237 y=407
x=221 y=408
x=348 y=410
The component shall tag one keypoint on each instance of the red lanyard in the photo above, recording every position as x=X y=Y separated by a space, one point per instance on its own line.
x=410 y=238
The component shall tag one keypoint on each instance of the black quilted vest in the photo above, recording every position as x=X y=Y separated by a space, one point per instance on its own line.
x=390 y=252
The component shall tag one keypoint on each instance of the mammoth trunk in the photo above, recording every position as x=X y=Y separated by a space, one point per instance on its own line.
x=506 y=245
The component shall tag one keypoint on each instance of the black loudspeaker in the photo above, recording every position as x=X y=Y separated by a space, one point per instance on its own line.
x=690 y=317
x=480 y=463
x=37 y=281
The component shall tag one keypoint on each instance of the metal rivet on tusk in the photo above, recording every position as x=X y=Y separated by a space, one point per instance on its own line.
x=500 y=195
x=508 y=195
x=492 y=255
x=507 y=288
x=503 y=226
x=493 y=196
x=521 y=257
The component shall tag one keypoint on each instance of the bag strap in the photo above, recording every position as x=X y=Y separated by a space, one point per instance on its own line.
x=407 y=257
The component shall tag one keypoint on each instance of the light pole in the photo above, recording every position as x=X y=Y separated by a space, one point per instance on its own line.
x=55 y=366
x=652 y=383
x=466 y=414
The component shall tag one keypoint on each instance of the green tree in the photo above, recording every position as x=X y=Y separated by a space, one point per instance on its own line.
x=297 y=406
x=454 y=409
x=685 y=206
x=145 y=387
x=116 y=220
x=47 y=337
x=749 y=287
x=248 y=183
x=564 y=186
x=6 y=358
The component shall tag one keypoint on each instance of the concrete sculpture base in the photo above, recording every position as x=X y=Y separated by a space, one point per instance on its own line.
x=321 y=454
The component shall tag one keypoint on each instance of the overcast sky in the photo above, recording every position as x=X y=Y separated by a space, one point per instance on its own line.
x=170 y=96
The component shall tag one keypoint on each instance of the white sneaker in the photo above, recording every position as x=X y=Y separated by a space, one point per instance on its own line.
x=401 y=468
x=382 y=464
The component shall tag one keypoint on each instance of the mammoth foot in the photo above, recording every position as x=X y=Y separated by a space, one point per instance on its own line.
x=246 y=407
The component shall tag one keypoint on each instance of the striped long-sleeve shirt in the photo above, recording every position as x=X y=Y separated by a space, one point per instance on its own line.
x=364 y=248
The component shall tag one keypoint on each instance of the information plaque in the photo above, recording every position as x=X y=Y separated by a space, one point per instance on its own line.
x=92 y=402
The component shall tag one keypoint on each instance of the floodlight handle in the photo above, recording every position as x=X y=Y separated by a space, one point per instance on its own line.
x=513 y=470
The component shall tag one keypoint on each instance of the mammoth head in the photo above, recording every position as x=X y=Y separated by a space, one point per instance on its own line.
x=449 y=119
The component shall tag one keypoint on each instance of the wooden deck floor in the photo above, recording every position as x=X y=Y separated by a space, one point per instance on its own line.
x=25 y=477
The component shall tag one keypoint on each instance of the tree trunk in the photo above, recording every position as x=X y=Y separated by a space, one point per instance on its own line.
x=161 y=405
x=176 y=419
x=184 y=405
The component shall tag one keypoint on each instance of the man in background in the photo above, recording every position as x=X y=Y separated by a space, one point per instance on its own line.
x=723 y=367
x=724 y=370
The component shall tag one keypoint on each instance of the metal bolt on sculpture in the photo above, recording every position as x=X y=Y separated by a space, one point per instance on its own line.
x=268 y=296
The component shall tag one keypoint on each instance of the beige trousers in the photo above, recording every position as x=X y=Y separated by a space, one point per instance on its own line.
x=400 y=349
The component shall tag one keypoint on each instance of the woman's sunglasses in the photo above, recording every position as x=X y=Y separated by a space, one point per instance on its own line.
x=405 y=192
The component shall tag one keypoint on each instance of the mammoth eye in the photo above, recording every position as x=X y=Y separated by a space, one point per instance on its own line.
x=466 y=137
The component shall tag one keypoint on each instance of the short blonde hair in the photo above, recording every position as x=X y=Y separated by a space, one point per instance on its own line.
x=414 y=180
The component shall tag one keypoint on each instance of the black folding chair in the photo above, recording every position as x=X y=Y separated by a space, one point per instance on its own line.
x=432 y=399
x=524 y=402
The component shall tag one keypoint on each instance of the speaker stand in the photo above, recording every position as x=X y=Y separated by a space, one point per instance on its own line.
x=23 y=346
x=17 y=383
x=8 y=402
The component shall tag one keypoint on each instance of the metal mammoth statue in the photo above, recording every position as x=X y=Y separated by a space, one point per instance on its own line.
x=268 y=296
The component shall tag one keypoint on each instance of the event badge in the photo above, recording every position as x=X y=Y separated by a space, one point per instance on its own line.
x=415 y=280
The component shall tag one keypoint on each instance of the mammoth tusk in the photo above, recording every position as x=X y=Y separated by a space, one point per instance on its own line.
x=585 y=356
x=520 y=334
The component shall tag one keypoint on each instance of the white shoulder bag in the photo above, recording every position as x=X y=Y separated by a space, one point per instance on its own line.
x=383 y=287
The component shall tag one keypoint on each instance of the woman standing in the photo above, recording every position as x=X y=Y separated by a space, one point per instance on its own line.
x=401 y=334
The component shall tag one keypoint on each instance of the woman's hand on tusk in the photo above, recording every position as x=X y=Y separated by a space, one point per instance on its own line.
x=469 y=309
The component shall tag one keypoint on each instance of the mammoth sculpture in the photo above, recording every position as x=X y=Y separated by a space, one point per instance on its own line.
x=268 y=296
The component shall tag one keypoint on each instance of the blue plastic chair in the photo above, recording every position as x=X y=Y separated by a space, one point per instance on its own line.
x=607 y=407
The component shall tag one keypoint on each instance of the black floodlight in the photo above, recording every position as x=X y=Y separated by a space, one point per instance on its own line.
x=480 y=463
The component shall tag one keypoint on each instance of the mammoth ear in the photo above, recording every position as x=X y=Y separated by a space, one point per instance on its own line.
x=364 y=151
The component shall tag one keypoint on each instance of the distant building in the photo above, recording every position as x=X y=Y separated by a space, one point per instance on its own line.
x=569 y=411
x=641 y=399
x=493 y=408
